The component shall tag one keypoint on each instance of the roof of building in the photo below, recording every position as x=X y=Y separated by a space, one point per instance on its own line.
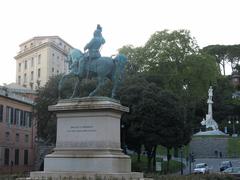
x=14 y=87
x=45 y=37
x=11 y=94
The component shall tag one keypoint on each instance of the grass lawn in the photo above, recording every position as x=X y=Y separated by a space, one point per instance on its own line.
x=174 y=166
x=234 y=147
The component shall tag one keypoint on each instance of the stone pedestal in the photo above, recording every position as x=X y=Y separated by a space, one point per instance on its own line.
x=88 y=141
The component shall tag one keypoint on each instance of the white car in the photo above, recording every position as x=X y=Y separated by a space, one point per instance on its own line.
x=201 y=168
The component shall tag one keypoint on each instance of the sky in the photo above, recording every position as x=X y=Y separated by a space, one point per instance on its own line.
x=124 y=22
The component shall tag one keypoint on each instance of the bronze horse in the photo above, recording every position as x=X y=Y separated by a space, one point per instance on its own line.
x=103 y=68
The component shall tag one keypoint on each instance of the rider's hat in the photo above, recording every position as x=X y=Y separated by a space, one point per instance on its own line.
x=99 y=27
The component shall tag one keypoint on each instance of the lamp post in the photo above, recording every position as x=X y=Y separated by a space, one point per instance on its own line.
x=233 y=120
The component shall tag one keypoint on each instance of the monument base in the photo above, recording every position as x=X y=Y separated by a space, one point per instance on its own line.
x=88 y=142
x=211 y=133
x=85 y=160
x=40 y=175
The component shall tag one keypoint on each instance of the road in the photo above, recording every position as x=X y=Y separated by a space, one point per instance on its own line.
x=213 y=164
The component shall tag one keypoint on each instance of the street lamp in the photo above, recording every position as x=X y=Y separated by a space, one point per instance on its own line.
x=233 y=121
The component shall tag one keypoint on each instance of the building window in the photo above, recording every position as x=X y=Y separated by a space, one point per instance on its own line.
x=39 y=59
x=7 y=136
x=16 y=156
x=30 y=120
x=32 y=75
x=19 y=67
x=39 y=73
x=31 y=85
x=26 y=119
x=25 y=78
x=38 y=83
x=17 y=137
x=1 y=113
x=6 y=156
x=26 y=138
x=25 y=157
x=19 y=80
x=21 y=117
x=17 y=116
x=25 y=64
x=32 y=62
x=9 y=115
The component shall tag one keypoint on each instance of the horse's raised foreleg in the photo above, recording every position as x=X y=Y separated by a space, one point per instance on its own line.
x=61 y=82
x=101 y=82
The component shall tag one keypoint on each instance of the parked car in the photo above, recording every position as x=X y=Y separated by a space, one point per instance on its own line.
x=225 y=164
x=201 y=168
x=233 y=171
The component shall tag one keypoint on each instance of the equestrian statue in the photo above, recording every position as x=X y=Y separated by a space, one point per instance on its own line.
x=92 y=64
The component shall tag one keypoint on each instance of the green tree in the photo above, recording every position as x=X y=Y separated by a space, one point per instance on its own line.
x=224 y=54
x=154 y=117
x=136 y=59
x=46 y=121
x=173 y=62
x=223 y=106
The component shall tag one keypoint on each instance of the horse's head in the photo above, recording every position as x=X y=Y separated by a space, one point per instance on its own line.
x=74 y=56
x=120 y=61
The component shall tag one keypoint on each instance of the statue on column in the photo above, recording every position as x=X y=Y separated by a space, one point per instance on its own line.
x=209 y=122
x=210 y=93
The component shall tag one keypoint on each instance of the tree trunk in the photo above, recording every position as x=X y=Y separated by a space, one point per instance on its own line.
x=149 y=163
x=154 y=157
x=168 y=159
x=149 y=149
x=138 y=156
x=175 y=152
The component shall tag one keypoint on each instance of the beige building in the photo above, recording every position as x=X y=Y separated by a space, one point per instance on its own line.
x=40 y=58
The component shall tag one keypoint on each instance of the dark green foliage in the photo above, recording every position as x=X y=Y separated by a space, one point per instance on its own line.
x=172 y=62
x=46 y=121
x=154 y=117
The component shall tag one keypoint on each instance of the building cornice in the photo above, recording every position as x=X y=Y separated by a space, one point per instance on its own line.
x=44 y=37
x=15 y=97
x=41 y=46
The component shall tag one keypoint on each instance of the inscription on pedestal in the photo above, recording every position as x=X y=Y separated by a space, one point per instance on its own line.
x=83 y=128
